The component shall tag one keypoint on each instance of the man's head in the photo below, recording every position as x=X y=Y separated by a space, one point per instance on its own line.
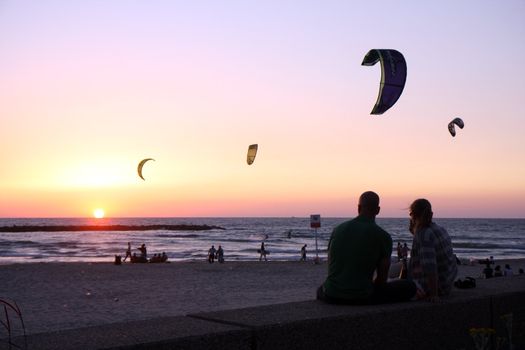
x=368 y=204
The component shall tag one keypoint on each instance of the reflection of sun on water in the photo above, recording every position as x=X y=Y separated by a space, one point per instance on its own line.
x=98 y=213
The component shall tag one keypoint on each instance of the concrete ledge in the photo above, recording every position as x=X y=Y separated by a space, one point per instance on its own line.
x=315 y=325
x=160 y=333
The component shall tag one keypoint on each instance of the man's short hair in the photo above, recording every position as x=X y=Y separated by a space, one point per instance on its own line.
x=369 y=200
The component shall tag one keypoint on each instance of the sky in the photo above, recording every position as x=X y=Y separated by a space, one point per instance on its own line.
x=90 y=88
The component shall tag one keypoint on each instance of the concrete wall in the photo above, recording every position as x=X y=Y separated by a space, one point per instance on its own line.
x=315 y=325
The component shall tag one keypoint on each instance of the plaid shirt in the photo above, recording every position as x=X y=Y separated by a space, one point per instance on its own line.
x=432 y=255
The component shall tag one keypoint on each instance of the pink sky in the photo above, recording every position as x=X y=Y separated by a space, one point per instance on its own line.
x=88 y=89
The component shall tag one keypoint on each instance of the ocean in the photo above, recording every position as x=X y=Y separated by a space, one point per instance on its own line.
x=240 y=239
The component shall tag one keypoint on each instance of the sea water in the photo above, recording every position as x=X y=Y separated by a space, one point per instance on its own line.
x=240 y=239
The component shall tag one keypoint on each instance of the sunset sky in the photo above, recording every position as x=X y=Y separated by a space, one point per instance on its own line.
x=89 y=88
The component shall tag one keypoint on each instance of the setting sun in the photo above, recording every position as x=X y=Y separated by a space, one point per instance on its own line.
x=98 y=213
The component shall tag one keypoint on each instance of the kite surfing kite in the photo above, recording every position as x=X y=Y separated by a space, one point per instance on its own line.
x=252 y=152
x=393 y=77
x=452 y=128
x=141 y=164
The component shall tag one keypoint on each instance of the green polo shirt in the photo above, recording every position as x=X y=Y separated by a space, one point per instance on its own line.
x=356 y=247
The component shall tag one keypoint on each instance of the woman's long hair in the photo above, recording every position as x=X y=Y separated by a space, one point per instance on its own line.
x=421 y=209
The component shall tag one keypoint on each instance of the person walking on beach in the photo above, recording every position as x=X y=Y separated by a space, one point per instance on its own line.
x=303 y=253
x=358 y=248
x=128 y=252
x=432 y=262
x=263 y=252
x=211 y=254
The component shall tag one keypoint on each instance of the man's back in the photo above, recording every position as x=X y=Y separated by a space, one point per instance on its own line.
x=355 y=250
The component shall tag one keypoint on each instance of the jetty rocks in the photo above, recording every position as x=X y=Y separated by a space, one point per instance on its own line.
x=61 y=228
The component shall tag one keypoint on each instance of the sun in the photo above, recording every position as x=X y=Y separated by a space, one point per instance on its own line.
x=98 y=213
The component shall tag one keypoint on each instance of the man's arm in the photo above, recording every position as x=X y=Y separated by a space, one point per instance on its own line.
x=382 y=271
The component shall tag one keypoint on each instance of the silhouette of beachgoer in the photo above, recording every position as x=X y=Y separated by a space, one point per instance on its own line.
x=263 y=252
x=220 y=255
x=303 y=253
x=432 y=261
x=164 y=257
x=143 y=252
x=508 y=271
x=118 y=260
x=488 y=271
x=399 y=251
x=211 y=254
x=128 y=252
x=404 y=251
x=497 y=271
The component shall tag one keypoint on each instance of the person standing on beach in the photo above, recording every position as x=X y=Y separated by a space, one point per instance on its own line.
x=358 y=248
x=404 y=251
x=303 y=253
x=220 y=254
x=432 y=262
x=128 y=252
x=143 y=252
x=211 y=254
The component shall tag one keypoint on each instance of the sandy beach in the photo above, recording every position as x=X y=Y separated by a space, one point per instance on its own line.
x=57 y=296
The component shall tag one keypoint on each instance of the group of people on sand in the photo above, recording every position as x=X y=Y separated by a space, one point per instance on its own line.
x=263 y=252
x=215 y=254
x=359 y=259
x=488 y=272
x=143 y=257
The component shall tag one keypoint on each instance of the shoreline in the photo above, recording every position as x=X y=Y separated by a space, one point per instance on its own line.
x=6 y=261
x=59 y=296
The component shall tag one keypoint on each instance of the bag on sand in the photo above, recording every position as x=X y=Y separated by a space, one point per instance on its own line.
x=467 y=283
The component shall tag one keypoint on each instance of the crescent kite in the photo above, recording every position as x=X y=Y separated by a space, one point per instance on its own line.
x=141 y=164
x=393 y=77
x=451 y=127
x=252 y=152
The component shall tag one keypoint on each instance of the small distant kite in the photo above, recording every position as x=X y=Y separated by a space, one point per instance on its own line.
x=393 y=77
x=452 y=129
x=141 y=164
x=252 y=152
